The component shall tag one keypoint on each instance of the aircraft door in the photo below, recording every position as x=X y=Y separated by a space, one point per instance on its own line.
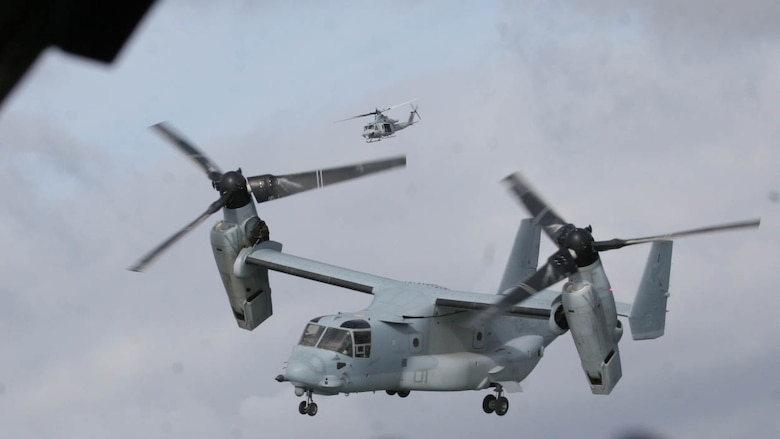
x=387 y=128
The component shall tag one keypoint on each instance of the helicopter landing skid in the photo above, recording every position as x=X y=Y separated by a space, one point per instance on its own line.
x=379 y=139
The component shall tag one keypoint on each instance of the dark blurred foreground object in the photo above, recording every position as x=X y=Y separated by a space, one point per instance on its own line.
x=96 y=29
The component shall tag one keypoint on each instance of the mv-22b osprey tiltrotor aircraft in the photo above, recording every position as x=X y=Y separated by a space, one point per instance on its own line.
x=424 y=337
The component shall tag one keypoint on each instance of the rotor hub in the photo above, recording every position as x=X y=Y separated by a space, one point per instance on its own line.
x=234 y=183
x=580 y=243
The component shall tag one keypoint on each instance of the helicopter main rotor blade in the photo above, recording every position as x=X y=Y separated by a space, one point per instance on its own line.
x=396 y=106
x=213 y=208
x=619 y=243
x=552 y=223
x=212 y=170
x=268 y=187
x=378 y=111
x=359 y=115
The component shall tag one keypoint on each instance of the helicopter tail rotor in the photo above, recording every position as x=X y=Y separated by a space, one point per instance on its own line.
x=414 y=111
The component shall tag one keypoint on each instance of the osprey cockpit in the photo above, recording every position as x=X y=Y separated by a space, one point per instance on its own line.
x=351 y=338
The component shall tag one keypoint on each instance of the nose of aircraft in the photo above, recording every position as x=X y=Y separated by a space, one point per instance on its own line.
x=304 y=368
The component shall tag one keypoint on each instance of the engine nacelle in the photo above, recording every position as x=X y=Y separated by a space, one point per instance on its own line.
x=246 y=285
x=594 y=338
x=595 y=274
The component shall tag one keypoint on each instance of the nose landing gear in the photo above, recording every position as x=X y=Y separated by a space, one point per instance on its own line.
x=496 y=403
x=307 y=407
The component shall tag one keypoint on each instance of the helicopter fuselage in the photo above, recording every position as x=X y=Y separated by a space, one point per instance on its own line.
x=384 y=126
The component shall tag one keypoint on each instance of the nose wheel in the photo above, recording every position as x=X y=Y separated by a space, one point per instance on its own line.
x=497 y=403
x=307 y=407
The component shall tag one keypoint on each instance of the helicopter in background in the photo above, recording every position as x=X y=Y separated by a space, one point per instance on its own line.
x=384 y=126
x=424 y=337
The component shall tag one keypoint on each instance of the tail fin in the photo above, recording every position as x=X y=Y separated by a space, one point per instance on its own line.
x=524 y=256
x=648 y=312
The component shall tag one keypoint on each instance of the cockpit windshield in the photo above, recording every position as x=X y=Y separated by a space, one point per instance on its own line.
x=337 y=340
x=311 y=335
x=353 y=338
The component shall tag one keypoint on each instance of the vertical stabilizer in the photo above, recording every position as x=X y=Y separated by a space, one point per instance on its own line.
x=524 y=256
x=648 y=312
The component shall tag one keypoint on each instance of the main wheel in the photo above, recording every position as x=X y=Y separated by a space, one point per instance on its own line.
x=403 y=393
x=502 y=406
x=302 y=408
x=311 y=410
x=390 y=392
x=489 y=403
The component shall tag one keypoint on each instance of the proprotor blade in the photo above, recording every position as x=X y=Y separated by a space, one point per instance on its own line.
x=268 y=187
x=558 y=267
x=551 y=222
x=212 y=170
x=214 y=207
x=619 y=243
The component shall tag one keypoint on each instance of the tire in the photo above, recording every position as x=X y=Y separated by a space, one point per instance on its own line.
x=311 y=410
x=302 y=408
x=403 y=393
x=489 y=403
x=502 y=406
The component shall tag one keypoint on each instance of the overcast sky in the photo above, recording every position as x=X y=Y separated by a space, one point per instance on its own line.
x=638 y=118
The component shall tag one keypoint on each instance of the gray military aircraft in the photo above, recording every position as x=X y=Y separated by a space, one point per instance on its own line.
x=425 y=337
x=383 y=126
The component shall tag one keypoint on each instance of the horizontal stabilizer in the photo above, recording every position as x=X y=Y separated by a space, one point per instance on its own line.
x=648 y=312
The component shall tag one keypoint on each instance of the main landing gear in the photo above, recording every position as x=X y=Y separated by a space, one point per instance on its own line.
x=401 y=393
x=496 y=403
x=307 y=407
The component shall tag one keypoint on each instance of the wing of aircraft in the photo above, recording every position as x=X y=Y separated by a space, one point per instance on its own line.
x=271 y=258
x=440 y=300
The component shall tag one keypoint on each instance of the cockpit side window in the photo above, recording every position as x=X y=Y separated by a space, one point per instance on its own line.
x=362 y=343
x=337 y=340
x=311 y=334
x=361 y=332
